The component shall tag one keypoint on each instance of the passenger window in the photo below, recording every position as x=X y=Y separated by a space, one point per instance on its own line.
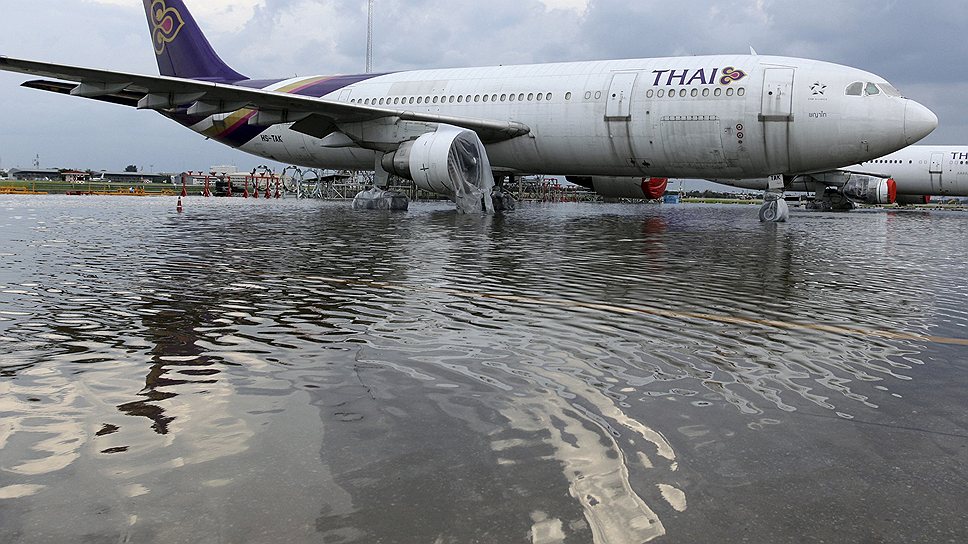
x=650 y=93
x=521 y=97
x=530 y=97
x=855 y=89
x=493 y=98
x=705 y=92
x=511 y=98
x=540 y=97
x=694 y=93
x=460 y=99
x=477 y=98
x=568 y=95
x=485 y=98
x=682 y=93
x=741 y=91
x=729 y=91
x=872 y=89
x=718 y=92
x=548 y=96
x=661 y=93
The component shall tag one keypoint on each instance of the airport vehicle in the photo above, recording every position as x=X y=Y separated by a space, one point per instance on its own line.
x=909 y=176
x=452 y=131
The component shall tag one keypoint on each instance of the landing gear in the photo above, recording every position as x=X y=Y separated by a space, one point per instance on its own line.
x=501 y=199
x=377 y=197
x=830 y=200
x=775 y=209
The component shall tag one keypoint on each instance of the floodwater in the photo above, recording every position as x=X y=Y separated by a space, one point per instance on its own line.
x=294 y=371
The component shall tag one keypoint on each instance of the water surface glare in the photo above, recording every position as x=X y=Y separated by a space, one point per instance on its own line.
x=296 y=371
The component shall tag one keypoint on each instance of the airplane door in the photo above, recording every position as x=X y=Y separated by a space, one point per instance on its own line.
x=618 y=118
x=776 y=114
x=937 y=171
x=618 y=105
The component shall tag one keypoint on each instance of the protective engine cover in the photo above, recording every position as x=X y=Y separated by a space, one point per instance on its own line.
x=870 y=190
x=450 y=161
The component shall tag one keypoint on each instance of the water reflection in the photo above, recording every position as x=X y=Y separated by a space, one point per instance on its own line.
x=412 y=377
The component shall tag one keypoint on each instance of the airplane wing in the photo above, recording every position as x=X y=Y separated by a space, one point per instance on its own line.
x=313 y=116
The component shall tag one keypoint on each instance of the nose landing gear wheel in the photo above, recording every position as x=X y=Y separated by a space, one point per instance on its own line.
x=774 y=209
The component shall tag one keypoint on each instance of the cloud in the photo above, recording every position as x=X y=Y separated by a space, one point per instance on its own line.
x=286 y=37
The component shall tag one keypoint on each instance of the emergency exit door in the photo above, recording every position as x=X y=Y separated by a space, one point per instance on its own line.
x=776 y=116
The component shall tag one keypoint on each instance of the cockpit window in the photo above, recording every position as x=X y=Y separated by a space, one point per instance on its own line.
x=872 y=89
x=855 y=89
x=889 y=89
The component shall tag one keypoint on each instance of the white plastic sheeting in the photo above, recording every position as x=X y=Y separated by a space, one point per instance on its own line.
x=452 y=161
x=378 y=199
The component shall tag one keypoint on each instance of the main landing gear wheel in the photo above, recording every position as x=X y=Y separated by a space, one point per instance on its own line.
x=774 y=209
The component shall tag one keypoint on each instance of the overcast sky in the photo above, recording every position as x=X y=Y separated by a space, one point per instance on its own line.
x=921 y=47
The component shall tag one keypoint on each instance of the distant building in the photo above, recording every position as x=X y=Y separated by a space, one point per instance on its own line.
x=135 y=178
x=36 y=174
x=74 y=176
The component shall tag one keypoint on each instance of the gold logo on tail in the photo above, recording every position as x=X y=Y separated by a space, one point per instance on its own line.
x=167 y=23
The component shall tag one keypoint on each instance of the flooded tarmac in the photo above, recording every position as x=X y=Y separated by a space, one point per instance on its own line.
x=295 y=371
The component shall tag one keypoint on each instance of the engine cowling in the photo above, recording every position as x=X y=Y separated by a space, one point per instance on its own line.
x=450 y=161
x=870 y=189
x=619 y=187
x=913 y=200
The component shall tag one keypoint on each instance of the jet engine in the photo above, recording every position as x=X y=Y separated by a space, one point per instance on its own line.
x=913 y=200
x=617 y=187
x=870 y=189
x=450 y=161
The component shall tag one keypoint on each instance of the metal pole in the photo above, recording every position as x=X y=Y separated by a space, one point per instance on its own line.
x=369 y=37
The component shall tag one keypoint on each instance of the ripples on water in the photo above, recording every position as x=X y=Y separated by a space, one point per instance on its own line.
x=270 y=371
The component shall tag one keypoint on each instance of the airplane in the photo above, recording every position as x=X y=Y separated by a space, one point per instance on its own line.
x=453 y=131
x=909 y=176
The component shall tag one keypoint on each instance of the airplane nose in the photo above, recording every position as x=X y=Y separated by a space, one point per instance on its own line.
x=919 y=121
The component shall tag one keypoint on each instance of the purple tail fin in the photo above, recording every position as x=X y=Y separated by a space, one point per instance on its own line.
x=180 y=46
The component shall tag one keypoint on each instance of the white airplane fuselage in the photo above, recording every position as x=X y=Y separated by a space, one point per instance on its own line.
x=703 y=117
x=940 y=170
x=917 y=170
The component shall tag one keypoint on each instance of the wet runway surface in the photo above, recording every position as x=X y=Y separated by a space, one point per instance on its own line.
x=295 y=371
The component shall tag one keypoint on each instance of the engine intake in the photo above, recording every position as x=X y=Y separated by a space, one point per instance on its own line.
x=450 y=161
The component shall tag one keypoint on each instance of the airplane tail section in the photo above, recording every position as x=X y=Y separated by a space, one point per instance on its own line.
x=181 y=48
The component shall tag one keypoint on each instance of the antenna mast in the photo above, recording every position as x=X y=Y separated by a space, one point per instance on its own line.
x=369 y=37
